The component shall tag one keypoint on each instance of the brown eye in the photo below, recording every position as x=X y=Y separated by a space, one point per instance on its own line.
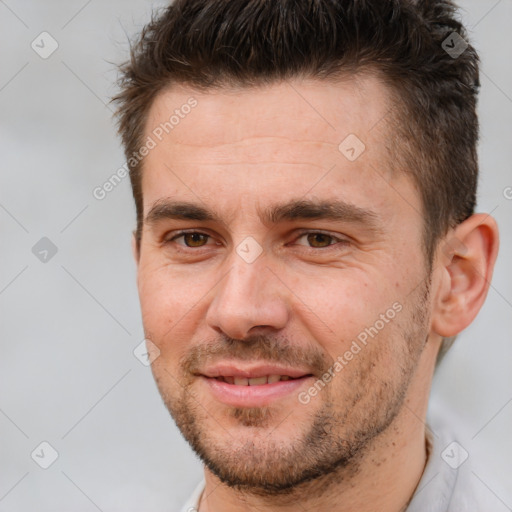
x=195 y=239
x=319 y=240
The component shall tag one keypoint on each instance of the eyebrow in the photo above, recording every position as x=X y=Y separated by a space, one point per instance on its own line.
x=300 y=209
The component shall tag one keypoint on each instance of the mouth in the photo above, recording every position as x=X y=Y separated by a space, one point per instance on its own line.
x=255 y=386
x=254 y=381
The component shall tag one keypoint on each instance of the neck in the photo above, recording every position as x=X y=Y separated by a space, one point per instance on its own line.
x=383 y=478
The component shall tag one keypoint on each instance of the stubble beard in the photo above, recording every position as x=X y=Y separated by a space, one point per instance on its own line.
x=335 y=442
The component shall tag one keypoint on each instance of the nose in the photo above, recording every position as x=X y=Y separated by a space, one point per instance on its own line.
x=249 y=299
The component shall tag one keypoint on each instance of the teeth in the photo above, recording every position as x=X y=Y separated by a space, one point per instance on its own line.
x=258 y=381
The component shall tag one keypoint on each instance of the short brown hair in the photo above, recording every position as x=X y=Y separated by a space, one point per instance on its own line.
x=244 y=43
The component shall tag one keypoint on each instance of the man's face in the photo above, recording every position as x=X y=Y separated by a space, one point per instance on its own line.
x=271 y=285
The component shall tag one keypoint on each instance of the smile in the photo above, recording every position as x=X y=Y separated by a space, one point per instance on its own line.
x=255 y=381
x=259 y=385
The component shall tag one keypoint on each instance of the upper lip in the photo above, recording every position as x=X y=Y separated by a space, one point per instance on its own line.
x=251 y=371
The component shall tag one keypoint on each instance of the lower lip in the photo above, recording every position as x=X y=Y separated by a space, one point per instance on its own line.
x=253 y=396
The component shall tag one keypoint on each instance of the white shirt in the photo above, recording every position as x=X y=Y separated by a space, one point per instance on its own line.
x=447 y=484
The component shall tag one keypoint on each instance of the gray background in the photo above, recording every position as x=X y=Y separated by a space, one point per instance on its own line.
x=69 y=325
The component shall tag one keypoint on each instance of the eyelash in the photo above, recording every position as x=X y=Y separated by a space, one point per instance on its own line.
x=300 y=235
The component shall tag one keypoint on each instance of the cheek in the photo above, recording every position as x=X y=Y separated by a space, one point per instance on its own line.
x=173 y=306
x=164 y=300
x=336 y=310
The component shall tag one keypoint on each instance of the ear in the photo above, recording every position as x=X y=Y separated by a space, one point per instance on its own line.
x=135 y=248
x=465 y=262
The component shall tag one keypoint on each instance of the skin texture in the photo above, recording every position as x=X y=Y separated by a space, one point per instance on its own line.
x=359 y=443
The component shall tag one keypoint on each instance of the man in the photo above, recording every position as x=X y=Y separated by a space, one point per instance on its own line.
x=304 y=173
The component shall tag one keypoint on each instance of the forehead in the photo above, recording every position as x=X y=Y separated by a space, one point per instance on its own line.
x=310 y=108
x=281 y=138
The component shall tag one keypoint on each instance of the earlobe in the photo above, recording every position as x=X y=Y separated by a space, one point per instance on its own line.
x=465 y=262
